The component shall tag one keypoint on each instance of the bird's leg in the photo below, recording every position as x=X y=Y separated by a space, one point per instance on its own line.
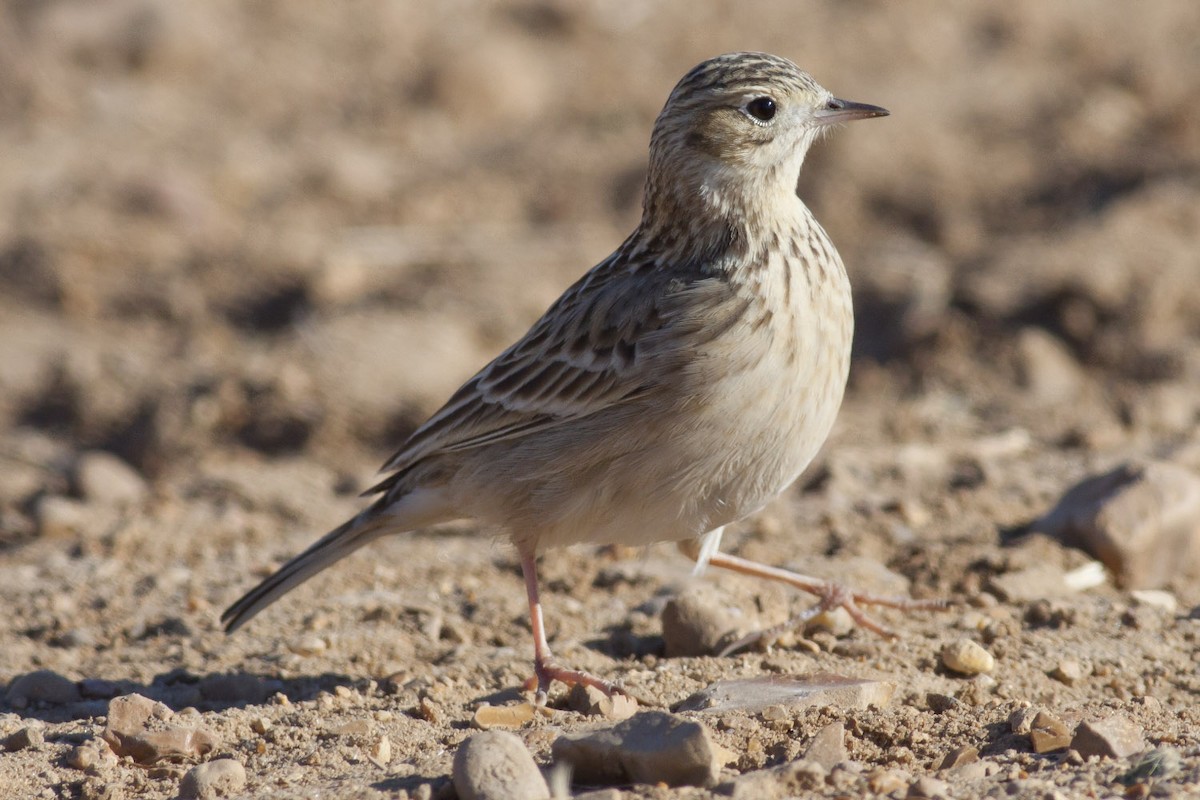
x=545 y=669
x=832 y=595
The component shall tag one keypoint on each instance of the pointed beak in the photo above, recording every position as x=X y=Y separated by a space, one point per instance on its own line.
x=836 y=111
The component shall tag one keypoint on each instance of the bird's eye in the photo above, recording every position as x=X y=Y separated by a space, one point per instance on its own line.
x=761 y=108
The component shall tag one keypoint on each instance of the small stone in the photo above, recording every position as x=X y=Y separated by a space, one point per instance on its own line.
x=223 y=777
x=430 y=711
x=488 y=717
x=1142 y=519
x=1045 y=367
x=1048 y=733
x=84 y=757
x=650 y=747
x=887 y=781
x=104 y=478
x=1020 y=721
x=1113 y=737
x=1069 y=671
x=23 y=738
x=941 y=703
x=260 y=725
x=593 y=702
x=958 y=757
x=494 y=765
x=380 y=752
x=41 y=686
x=60 y=517
x=1156 y=598
x=308 y=645
x=967 y=657
x=828 y=747
x=790 y=691
x=927 y=787
x=700 y=621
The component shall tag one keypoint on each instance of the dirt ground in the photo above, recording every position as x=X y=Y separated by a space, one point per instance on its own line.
x=247 y=247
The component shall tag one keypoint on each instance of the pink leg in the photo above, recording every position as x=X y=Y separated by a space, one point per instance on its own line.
x=832 y=595
x=545 y=669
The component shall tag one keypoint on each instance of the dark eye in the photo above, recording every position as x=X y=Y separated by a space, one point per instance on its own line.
x=761 y=108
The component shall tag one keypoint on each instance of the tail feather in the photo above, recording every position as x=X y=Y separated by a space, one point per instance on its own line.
x=329 y=549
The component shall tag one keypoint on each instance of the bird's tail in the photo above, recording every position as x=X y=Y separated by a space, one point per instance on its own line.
x=329 y=549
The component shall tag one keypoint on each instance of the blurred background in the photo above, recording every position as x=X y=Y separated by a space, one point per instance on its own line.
x=279 y=228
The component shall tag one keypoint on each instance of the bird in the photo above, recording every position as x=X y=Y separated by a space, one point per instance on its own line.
x=678 y=386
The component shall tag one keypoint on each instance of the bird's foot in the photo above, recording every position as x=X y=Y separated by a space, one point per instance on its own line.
x=834 y=596
x=548 y=671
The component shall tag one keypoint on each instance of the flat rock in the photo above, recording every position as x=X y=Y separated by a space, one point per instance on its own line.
x=1112 y=737
x=128 y=732
x=819 y=689
x=495 y=765
x=650 y=747
x=1142 y=519
x=223 y=777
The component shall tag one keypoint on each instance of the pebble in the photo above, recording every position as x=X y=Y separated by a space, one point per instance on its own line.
x=1142 y=519
x=967 y=657
x=41 y=686
x=1020 y=721
x=700 y=621
x=381 y=752
x=591 y=701
x=60 y=517
x=650 y=747
x=958 y=757
x=1112 y=737
x=495 y=765
x=84 y=756
x=308 y=645
x=223 y=777
x=1045 y=367
x=1048 y=733
x=1069 y=671
x=104 y=478
x=1156 y=598
x=23 y=739
x=823 y=689
x=828 y=747
x=488 y=717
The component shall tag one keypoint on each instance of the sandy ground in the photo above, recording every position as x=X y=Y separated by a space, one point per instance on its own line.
x=247 y=247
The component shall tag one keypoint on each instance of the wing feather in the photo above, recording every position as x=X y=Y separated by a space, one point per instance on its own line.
x=597 y=346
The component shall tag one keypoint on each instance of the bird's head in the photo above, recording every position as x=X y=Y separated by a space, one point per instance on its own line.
x=739 y=126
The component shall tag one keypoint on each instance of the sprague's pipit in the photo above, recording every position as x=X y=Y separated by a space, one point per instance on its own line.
x=678 y=386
